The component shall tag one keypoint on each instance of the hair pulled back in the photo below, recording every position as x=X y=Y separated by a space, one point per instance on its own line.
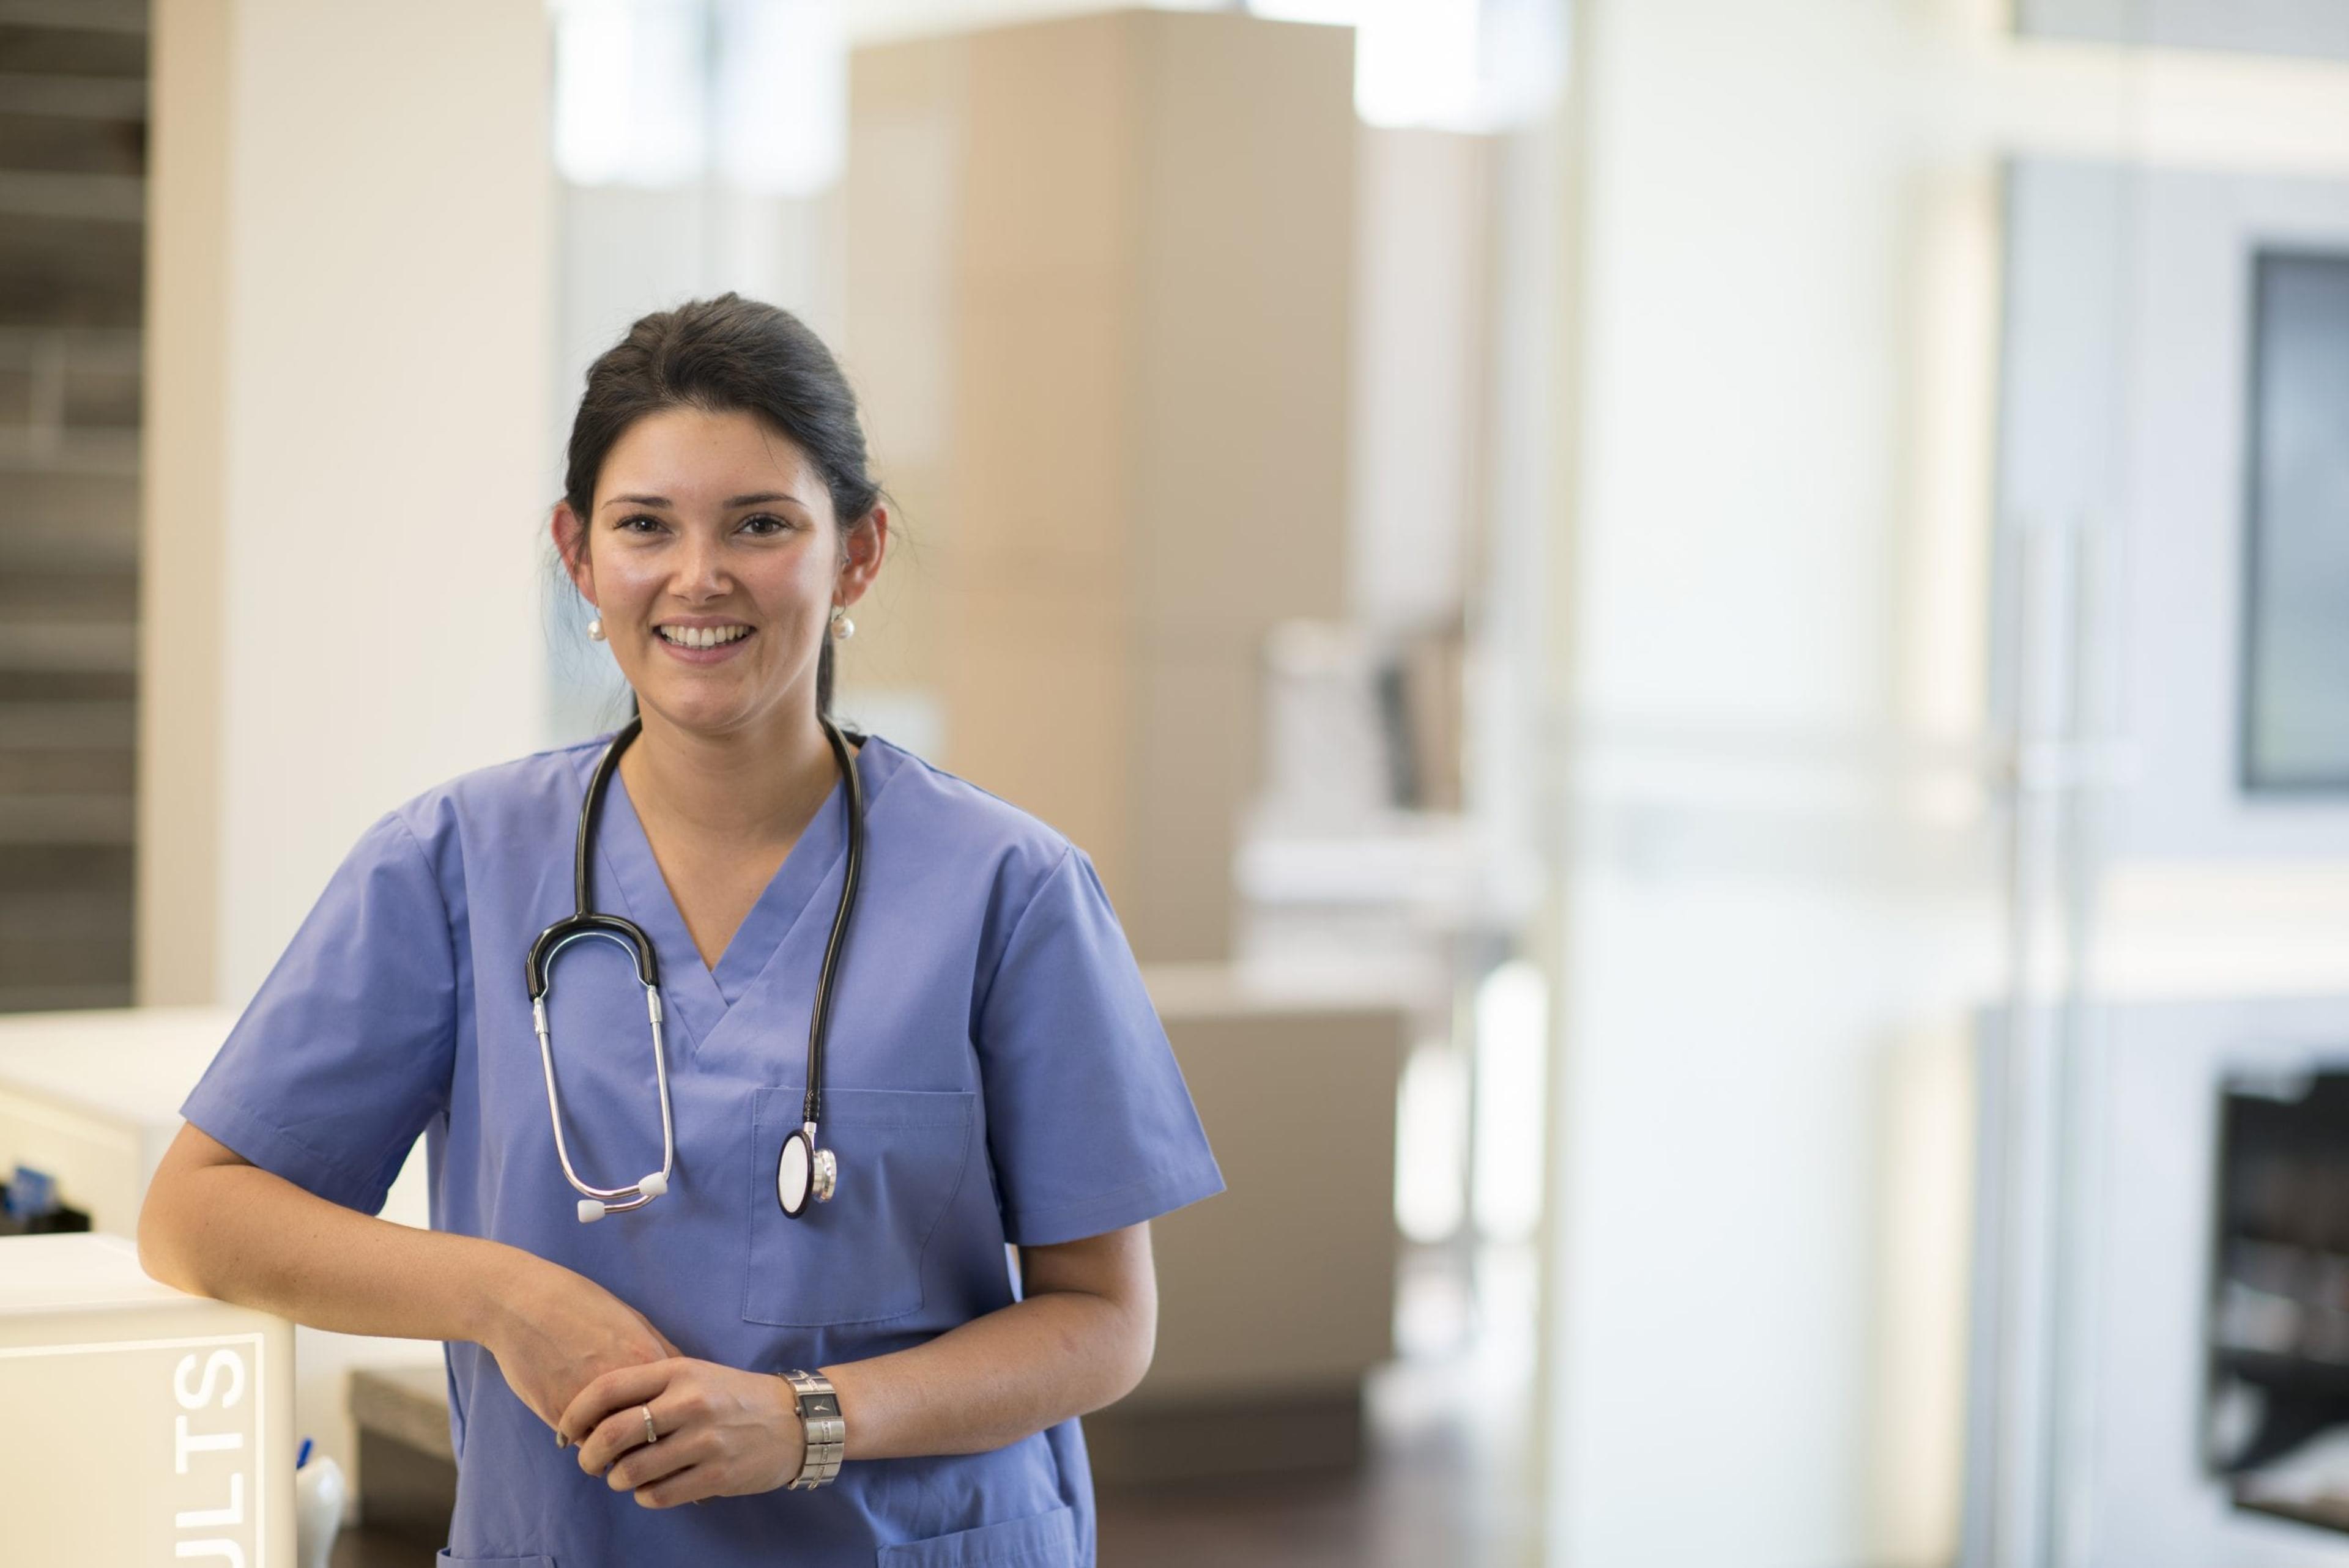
x=726 y=356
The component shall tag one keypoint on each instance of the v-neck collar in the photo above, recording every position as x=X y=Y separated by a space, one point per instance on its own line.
x=694 y=994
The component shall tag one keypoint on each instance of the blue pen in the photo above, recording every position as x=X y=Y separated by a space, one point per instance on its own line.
x=303 y=1457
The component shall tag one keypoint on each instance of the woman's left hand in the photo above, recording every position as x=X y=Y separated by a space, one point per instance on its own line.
x=723 y=1433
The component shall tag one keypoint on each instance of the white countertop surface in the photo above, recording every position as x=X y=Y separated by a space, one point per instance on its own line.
x=74 y=1274
x=132 y=1064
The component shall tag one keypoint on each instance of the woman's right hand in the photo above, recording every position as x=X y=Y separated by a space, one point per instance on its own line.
x=555 y=1331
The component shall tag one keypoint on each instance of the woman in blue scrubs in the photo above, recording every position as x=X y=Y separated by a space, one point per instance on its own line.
x=994 y=1078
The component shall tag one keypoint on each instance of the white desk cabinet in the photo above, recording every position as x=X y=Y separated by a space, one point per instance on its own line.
x=150 y=1426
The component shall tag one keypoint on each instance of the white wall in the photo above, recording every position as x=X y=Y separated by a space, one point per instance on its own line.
x=1422 y=304
x=350 y=316
x=1753 y=914
x=1782 y=318
x=885 y=21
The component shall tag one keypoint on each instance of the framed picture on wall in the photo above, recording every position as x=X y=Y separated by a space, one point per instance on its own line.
x=2313 y=28
x=2294 y=695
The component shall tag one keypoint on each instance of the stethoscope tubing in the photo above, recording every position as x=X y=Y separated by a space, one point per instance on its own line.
x=819 y=1016
x=584 y=923
x=636 y=1195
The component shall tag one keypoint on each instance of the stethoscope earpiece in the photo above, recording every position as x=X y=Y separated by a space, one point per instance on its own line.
x=809 y=1171
x=649 y=1186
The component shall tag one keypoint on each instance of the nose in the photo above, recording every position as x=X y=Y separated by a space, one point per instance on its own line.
x=700 y=569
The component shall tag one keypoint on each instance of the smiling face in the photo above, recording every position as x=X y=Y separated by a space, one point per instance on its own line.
x=714 y=559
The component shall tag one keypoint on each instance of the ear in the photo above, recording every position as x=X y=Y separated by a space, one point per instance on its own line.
x=571 y=545
x=862 y=547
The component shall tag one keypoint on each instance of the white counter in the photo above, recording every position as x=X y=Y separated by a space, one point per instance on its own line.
x=150 y=1426
x=93 y=1099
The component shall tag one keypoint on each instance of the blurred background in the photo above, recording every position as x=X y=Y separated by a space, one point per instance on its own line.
x=1704 y=643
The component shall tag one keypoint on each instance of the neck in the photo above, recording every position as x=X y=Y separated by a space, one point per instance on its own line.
x=757 y=784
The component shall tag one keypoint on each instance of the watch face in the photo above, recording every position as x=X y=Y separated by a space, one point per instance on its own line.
x=791 y=1175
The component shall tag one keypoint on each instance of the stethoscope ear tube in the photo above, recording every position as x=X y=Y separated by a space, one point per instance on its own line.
x=590 y=808
x=819 y=1016
x=564 y=933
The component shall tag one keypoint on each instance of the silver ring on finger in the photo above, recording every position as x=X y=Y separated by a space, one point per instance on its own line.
x=651 y=1435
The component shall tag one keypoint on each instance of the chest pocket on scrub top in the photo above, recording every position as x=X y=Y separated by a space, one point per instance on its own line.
x=858 y=1258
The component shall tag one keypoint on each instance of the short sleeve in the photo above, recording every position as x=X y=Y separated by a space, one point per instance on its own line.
x=1089 y=1123
x=344 y=1053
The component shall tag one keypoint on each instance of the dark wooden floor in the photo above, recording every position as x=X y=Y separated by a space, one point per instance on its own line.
x=1449 y=1482
x=1434 y=1492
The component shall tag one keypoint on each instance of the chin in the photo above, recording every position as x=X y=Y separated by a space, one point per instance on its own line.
x=705 y=712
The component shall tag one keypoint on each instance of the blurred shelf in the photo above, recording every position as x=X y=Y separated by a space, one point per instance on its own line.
x=67 y=818
x=2324 y=1516
x=102 y=454
x=1437 y=867
x=84 y=197
x=26 y=644
x=73 y=98
x=76 y=15
x=2299 y=1373
x=73 y=225
x=67 y=724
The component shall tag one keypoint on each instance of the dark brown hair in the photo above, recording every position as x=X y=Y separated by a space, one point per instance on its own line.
x=724 y=355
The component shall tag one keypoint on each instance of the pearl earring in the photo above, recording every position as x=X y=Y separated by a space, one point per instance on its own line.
x=841 y=626
x=596 y=629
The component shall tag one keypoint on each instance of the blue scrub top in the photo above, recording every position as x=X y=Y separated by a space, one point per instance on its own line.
x=994 y=1075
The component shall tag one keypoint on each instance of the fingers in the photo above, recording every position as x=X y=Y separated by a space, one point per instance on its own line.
x=619 y=1389
x=622 y=1433
x=690 y=1484
x=646 y=1463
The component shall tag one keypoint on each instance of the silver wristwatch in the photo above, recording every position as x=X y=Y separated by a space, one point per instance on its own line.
x=826 y=1432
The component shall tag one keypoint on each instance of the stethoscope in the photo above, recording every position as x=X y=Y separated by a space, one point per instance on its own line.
x=803 y=1169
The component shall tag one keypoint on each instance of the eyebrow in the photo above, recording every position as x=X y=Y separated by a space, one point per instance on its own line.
x=731 y=502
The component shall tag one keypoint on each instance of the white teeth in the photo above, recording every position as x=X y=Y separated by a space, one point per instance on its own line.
x=703 y=636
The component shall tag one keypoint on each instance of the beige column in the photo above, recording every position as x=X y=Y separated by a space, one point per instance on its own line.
x=348 y=316
x=1100 y=274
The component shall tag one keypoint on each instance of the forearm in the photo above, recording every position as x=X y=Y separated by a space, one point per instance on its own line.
x=241 y=1234
x=997 y=1379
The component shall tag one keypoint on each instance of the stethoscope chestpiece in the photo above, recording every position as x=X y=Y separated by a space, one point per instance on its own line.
x=804 y=1171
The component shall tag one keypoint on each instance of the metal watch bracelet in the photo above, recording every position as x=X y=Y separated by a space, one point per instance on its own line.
x=826 y=1432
